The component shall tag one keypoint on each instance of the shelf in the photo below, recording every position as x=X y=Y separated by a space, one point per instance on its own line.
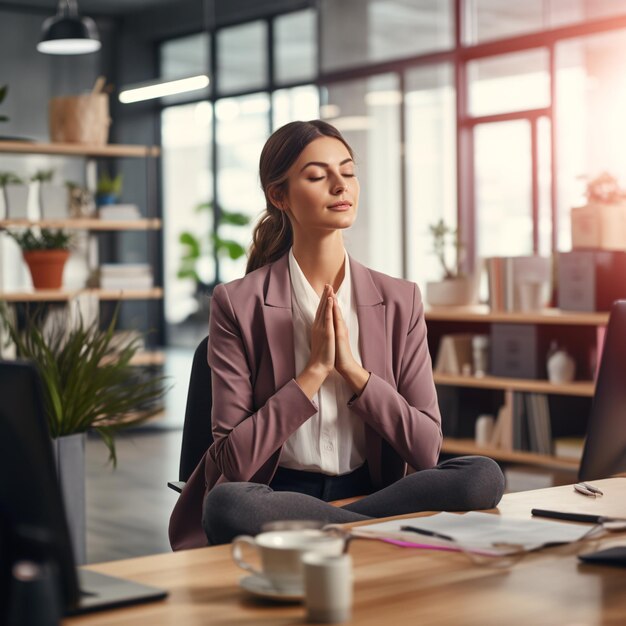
x=576 y=388
x=63 y=295
x=482 y=313
x=86 y=223
x=151 y=357
x=468 y=446
x=75 y=149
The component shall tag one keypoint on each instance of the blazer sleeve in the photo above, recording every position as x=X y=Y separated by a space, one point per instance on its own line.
x=406 y=416
x=245 y=437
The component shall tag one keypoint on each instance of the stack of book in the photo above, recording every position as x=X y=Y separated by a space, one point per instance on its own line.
x=454 y=355
x=510 y=278
x=113 y=212
x=126 y=276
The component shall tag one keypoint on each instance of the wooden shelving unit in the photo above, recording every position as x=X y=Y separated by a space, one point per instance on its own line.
x=87 y=223
x=576 y=388
x=481 y=314
x=150 y=357
x=79 y=150
x=64 y=295
x=467 y=446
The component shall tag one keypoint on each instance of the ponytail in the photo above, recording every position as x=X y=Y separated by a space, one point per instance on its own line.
x=272 y=237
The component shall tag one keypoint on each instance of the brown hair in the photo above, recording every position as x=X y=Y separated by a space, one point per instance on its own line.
x=272 y=235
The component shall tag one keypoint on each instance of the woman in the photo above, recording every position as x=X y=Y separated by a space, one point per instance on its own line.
x=322 y=380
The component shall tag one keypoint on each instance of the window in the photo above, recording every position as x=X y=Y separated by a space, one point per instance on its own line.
x=367 y=112
x=358 y=32
x=299 y=103
x=187 y=182
x=242 y=128
x=295 y=47
x=242 y=57
x=184 y=57
x=430 y=164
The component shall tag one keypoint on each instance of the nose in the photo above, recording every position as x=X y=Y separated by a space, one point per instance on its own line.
x=340 y=184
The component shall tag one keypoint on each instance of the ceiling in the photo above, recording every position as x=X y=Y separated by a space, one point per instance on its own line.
x=98 y=7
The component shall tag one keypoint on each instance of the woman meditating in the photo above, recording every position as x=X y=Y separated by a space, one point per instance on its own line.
x=322 y=380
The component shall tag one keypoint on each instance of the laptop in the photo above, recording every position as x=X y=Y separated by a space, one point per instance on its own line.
x=33 y=524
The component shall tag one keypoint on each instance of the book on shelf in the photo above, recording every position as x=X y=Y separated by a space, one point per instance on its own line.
x=502 y=436
x=112 y=212
x=569 y=448
x=455 y=352
x=126 y=276
x=539 y=424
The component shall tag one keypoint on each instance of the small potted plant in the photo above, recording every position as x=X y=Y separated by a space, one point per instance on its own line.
x=52 y=198
x=197 y=249
x=108 y=189
x=45 y=252
x=14 y=194
x=455 y=288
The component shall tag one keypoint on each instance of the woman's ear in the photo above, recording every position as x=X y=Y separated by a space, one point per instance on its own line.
x=277 y=197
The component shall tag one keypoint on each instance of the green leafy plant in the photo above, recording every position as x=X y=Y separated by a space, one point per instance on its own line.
x=42 y=239
x=8 y=178
x=444 y=238
x=3 y=94
x=108 y=185
x=42 y=176
x=88 y=379
x=195 y=248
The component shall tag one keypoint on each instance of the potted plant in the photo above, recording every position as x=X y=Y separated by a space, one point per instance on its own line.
x=45 y=252
x=196 y=249
x=52 y=199
x=89 y=383
x=455 y=288
x=108 y=189
x=14 y=194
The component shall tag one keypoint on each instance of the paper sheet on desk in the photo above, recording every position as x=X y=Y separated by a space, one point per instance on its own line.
x=485 y=533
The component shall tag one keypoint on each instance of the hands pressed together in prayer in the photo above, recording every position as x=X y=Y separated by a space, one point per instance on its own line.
x=330 y=347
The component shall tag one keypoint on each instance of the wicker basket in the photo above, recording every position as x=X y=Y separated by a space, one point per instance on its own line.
x=80 y=119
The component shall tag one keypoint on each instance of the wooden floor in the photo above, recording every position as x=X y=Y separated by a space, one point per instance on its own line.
x=128 y=507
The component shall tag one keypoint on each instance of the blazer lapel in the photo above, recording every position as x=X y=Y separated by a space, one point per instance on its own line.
x=278 y=322
x=372 y=343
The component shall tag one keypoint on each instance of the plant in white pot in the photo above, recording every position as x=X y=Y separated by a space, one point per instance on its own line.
x=89 y=383
x=15 y=193
x=455 y=288
x=53 y=199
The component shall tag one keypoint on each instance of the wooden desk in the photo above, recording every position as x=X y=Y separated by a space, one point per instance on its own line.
x=400 y=586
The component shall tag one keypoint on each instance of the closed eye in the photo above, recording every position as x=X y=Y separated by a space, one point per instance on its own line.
x=314 y=178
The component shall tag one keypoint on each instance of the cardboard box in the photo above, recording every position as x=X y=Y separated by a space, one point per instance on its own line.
x=519 y=350
x=591 y=280
x=599 y=226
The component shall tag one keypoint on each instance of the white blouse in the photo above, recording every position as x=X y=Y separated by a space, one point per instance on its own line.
x=333 y=440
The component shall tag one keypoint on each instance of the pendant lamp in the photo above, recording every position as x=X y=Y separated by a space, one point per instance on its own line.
x=68 y=33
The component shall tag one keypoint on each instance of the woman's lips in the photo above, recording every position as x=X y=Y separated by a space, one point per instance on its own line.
x=340 y=206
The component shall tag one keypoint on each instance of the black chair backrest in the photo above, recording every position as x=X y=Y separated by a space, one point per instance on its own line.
x=197 y=435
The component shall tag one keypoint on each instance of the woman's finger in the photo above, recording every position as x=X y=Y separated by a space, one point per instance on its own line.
x=321 y=307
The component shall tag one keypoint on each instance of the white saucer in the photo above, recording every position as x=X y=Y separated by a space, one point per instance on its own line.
x=260 y=586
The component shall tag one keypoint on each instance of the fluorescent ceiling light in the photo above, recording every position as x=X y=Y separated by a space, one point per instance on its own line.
x=68 y=33
x=151 y=90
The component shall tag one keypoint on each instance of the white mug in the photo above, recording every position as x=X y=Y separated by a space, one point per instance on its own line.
x=328 y=585
x=280 y=553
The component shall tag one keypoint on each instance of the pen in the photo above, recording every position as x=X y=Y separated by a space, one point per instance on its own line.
x=572 y=517
x=428 y=533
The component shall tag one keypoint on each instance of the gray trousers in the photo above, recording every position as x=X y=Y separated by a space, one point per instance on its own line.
x=460 y=484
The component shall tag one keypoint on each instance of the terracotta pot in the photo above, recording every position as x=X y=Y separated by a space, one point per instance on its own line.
x=46 y=267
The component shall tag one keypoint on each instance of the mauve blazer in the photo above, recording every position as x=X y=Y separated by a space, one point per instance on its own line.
x=257 y=403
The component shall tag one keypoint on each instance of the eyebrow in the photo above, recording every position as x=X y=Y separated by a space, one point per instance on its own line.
x=322 y=164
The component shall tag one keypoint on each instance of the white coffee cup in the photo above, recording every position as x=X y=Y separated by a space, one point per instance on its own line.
x=328 y=585
x=280 y=553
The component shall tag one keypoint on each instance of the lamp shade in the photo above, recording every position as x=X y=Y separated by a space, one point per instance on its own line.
x=68 y=33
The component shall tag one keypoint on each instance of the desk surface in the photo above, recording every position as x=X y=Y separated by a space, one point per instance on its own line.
x=402 y=585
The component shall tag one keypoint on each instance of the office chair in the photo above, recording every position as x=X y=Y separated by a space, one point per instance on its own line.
x=197 y=435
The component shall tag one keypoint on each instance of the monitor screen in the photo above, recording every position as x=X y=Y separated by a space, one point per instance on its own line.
x=604 y=453
x=32 y=517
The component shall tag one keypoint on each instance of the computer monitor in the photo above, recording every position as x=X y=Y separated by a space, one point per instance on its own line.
x=604 y=453
x=33 y=524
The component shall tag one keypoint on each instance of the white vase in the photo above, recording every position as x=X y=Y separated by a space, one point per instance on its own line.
x=452 y=291
x=69 y=454
x=561 y=367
